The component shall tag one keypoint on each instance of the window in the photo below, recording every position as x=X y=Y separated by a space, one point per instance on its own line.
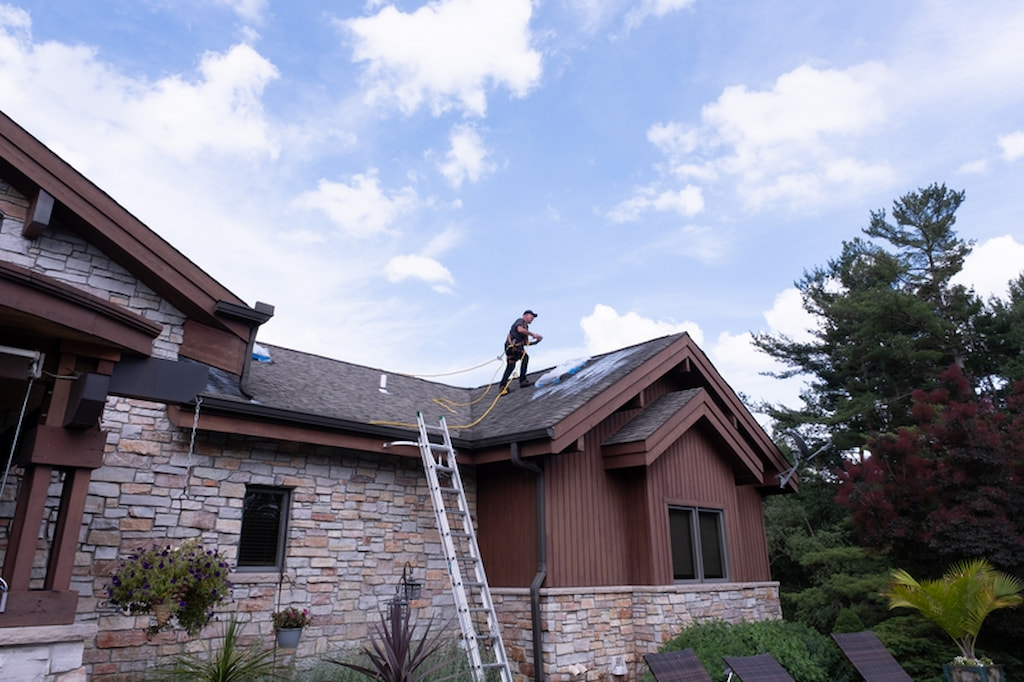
x=698 y=544
x=264 y=525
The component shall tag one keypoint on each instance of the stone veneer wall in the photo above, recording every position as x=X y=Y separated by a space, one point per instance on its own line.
x=586 y=629
x=55 y=653
x=44 y=654
x=355 y=523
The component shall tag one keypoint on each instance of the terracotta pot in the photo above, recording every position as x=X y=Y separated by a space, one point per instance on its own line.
x=288 y=638
x=973 y=673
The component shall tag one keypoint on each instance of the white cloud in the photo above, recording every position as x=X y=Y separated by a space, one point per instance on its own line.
x=447 y=53
x=688 y=201
x=16 y=19
x=423 y=268
x=653 y=8
x=743 y=367
x=250 y=10
x=992 y=265
x=467 y=159
x=221 y=112
x=804 y=106
x=973 y=167
x=786 y=144
x=358 y=207
x=217 y=110
x=606 y=330
x=1012 y=145
x=673 y=139
x=788 y=316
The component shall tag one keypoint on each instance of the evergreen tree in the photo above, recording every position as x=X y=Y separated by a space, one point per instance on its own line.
x=889 y=321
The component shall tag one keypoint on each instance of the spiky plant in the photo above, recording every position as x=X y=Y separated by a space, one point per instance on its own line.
x=229 y=662
x=958 y=602
x=395 y=653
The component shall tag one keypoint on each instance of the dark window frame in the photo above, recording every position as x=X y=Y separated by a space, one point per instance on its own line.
x=253 y=542
x=697 y=551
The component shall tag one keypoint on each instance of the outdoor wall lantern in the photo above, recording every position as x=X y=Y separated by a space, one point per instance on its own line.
x=407 y=590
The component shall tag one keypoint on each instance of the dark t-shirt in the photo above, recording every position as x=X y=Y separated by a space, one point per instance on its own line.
x=514 y=334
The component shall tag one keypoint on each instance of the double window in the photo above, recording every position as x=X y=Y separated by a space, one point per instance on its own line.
x=264 y=529
x=698 y=544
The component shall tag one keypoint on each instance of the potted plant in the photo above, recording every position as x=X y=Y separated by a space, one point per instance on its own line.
x=958 y=603
x=184 y=583
x=288 y=624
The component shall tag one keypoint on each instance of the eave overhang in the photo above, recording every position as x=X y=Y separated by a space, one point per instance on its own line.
x=52 y=308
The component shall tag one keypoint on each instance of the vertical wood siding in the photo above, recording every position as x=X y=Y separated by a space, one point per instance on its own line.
x=506 y=523
x=611 y=527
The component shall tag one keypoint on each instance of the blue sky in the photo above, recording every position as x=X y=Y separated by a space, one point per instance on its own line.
x=401 y=180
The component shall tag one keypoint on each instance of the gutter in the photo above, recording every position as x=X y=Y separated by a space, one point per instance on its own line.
x=542 y=564
x=259 y=411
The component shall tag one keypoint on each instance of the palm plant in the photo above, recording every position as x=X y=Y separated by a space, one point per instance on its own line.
x=958 y=602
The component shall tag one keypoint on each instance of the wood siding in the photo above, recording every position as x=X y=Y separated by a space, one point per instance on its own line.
x=611 y=527
x=694 y=473
x=507 y=523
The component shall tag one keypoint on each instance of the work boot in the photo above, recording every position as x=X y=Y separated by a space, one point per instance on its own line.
x=523 y=383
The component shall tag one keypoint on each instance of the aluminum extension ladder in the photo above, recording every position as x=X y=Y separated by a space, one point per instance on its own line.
x=477 y=618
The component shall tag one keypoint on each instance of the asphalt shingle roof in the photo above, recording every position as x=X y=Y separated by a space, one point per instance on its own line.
x=307 y=384
x=643 y=425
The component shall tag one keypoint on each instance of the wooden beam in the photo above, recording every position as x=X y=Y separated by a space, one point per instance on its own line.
x=57 y=446
x=28 y=519
x=27 y=608
x=39 y=213
x=65 y=536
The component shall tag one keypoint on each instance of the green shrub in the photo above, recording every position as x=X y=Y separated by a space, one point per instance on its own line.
x=808 y=655
x=848 y=621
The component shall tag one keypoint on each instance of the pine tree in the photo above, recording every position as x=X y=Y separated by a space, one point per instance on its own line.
x=889 y=321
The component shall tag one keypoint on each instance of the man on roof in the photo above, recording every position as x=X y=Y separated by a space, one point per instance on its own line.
x=519 y=337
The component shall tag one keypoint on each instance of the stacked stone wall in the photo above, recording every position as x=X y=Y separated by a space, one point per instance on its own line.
x=355 y=523
x=44 y=654
x=588 y=630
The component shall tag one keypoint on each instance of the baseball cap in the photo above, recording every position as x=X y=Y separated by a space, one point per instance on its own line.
x=530 y=312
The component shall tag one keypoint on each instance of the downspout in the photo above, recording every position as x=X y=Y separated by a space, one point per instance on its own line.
x=542 y=564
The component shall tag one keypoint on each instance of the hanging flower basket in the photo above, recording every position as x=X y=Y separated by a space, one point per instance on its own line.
x=288 y=638
x=183 y=583
x=162 y=612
